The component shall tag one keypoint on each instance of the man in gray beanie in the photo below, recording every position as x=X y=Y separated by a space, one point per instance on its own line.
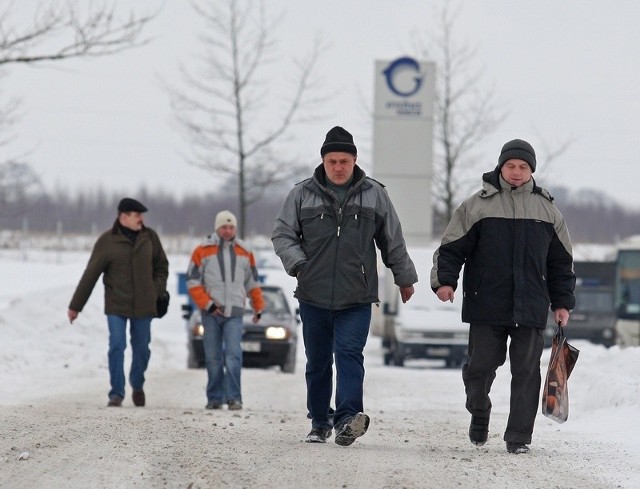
x=517 y=257
x=517 y=149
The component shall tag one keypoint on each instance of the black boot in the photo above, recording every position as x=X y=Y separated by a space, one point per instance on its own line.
x=479 y=430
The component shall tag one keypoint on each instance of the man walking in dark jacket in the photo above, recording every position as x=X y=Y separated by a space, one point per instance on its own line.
x=517 y=257
x=135 y=270
x=326 y=235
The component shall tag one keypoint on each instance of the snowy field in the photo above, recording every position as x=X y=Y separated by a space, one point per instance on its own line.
x=56 y=432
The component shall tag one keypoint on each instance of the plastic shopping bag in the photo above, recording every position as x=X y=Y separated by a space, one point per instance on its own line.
x=555 y=395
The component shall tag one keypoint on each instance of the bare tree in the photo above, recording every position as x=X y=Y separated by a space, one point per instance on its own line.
x=62 y=30
x=465 y=113
x=18 y=184
x=550 y=154
x=57 y=31
x=230 y=113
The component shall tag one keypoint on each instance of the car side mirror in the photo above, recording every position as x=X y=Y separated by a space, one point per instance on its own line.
x=187 y=310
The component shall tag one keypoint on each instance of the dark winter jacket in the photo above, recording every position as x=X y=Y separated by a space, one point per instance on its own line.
x=516 y=252
x=331 y=249
x=134 y=275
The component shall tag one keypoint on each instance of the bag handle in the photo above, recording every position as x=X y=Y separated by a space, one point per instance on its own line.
x=560 y=332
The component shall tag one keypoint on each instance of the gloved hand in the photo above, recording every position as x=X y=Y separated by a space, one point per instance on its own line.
x=162 y=304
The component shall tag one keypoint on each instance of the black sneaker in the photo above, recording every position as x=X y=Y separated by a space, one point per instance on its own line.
x=213 y=405
x=351 y=429
x=479 y=430
x=318 y=435
x=517 y=448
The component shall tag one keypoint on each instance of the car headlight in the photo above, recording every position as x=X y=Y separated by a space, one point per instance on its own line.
x=607 y=333
x=276 y=333
x=198 y=330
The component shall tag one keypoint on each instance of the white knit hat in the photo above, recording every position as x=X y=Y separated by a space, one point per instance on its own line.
x=225 y=217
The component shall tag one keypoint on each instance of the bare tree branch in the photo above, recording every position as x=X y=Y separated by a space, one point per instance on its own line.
x=229 y=113
x=548 y=154
x=465 y=113
x=18 y=183
x=58 y=31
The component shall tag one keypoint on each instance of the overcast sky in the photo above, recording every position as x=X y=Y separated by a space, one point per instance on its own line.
x=564 y=71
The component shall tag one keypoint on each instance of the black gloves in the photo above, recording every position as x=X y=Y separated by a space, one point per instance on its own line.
x=212 y=309
x=162 y=304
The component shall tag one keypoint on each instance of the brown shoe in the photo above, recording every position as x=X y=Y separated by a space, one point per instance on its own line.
x=138 y=397
x=234 y=405
x=115 y=401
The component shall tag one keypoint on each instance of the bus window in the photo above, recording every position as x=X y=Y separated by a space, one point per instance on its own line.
x=628 y=284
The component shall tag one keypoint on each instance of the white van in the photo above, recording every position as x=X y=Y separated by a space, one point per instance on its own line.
x=425 y=327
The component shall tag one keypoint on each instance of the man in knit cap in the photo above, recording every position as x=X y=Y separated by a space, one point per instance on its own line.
x=326 y=236
x=221 y=274
x=517 y=257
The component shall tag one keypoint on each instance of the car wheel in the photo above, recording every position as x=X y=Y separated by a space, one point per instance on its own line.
x=398 y=358
x=387 y=358
x=289 y=366
x=398 y=361
x=396 y=354
x=192 y=359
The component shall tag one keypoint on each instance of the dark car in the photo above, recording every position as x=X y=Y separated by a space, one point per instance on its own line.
x=272 y=341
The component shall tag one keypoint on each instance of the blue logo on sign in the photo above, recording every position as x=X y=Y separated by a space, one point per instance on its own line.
x=399 y=67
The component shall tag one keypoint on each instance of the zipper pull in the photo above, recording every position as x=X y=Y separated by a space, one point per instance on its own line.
x=338 y=231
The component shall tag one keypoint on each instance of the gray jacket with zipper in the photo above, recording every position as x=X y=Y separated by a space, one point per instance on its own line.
x=332 y=249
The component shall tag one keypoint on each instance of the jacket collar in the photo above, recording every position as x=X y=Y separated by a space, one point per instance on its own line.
x=493 y=183
x=116 y=227
x=320 y=177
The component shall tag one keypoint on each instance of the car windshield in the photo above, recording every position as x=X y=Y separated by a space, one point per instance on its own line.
x=274 y=301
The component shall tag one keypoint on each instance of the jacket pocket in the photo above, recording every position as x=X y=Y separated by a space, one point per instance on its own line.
x=472 y=291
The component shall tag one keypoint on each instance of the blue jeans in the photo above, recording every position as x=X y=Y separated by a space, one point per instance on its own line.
x=222 y=356
x=342 y=334
x=140 y=332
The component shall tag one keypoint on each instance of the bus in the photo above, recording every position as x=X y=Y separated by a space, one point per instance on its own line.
x=627 y=292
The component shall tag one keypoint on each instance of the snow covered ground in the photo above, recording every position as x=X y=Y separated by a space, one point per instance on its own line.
x=56 y=432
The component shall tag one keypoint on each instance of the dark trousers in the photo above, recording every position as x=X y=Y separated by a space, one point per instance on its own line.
x=344 y=334
x=487 y=352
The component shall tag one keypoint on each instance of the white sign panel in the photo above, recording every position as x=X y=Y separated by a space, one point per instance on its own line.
x=404 y=89
x=403 y=141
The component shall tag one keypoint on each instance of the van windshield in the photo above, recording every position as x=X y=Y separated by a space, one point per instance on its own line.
x=590 y=301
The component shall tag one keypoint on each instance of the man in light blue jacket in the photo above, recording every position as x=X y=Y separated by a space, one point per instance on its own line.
x=326 y=236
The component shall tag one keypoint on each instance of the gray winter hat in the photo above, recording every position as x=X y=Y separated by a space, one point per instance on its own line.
x=520 y=150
